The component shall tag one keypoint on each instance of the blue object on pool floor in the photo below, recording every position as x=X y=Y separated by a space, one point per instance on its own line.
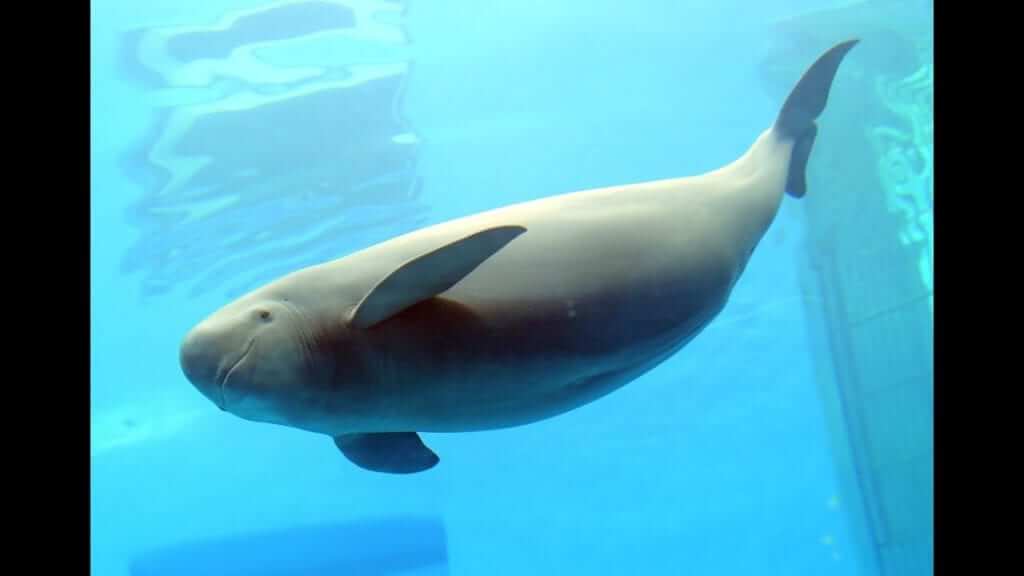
x=374 y=547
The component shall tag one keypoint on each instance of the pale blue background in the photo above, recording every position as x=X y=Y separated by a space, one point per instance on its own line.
x=716 y=463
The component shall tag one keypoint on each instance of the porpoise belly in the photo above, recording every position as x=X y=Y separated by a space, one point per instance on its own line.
x=520 y=390
x=465 y=362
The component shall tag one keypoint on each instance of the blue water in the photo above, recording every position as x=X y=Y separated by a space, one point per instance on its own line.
x=718 y=462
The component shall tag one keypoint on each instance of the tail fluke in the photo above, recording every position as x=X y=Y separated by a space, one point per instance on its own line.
x=803 y=105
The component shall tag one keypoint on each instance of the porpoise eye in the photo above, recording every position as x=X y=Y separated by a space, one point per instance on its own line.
x=263 y=314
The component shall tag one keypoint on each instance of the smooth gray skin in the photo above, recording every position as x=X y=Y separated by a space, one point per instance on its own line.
x=493 y=320
x=601 y=282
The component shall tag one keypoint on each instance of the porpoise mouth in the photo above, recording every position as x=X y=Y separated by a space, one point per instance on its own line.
x=223 y=381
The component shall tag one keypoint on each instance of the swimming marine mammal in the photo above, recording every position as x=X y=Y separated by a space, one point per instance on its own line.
x=504 y=317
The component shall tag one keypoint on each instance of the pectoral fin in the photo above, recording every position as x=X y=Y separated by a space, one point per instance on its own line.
x=390 y=452
x=428 y=275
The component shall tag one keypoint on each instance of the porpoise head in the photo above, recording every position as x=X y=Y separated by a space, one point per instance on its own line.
x=254 y=358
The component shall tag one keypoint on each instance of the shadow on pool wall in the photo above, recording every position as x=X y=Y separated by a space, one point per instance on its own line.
x=277 y=137
x=371 y=547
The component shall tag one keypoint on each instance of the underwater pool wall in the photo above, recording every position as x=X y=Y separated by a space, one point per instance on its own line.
x=868 y=284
